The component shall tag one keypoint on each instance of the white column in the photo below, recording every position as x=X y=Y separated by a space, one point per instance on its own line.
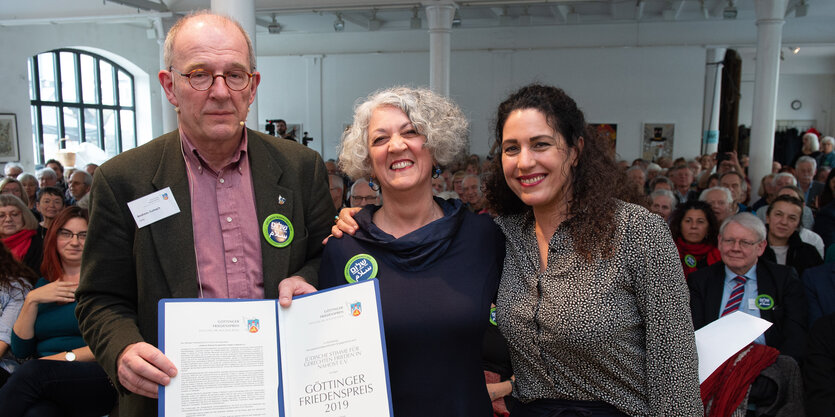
x=313 y=125
x=243 y=11
x=169 y=116
x=440 y=27
x=713 y=96
x=766 y=72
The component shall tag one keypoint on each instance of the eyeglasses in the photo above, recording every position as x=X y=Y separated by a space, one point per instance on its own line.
x=744 y=244
x=202 y=80
x=367 y=199
x=65 y=234
x=12 y=215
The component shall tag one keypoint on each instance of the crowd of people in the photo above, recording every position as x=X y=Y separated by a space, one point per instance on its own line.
x=547 y=279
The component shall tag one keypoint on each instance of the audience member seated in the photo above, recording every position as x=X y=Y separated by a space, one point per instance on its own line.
x=661 y=183
x=735 y=182
x=653 y=171
x=694 y=229
x=766 y=192
x=761 y=288
x=473 y=195
x=807 y=220
x=361 y=193
x=827 y=156
x=19 y=232
x=457 y=177
x=784 y=244
x=50 y=203
x=337 y=188
x=12 y=169
x=819 y=368
x=819 y=287
x=10 y=185
x=825 y=217
x=810 y=148
x=79 y=185
x=663 y=202
x=47 y=178
x=15 y=281
x=636 y=176
x=721 y=201
x=58 y=169
x=805 y=172
x=682 y=178
x=30 y=188
x=64 y=379
x=438 y=185
x=695 y=167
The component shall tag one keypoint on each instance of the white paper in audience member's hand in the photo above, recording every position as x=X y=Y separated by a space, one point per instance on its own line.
x=723 y=338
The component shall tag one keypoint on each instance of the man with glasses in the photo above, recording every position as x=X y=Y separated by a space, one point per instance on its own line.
x=744 y=282
x=224 y=187
x=362 y=194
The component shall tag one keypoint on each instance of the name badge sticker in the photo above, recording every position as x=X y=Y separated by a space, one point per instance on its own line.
x=765 y=302
x=362 y=267
x=277 y=230
x=153 y=207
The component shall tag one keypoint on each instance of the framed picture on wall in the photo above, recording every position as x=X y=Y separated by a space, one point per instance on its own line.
x=9 y=150
x=609 y=133
x=658 y=140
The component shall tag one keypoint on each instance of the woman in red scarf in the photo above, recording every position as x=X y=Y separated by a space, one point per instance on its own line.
x=694 y=228
x=18 y=231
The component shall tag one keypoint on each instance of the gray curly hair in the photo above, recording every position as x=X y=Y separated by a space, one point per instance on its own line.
x=432 y=115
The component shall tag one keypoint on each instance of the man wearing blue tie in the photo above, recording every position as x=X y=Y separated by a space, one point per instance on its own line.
x=744 y=282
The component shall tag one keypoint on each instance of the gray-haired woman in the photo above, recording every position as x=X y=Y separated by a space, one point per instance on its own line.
x=438 y=264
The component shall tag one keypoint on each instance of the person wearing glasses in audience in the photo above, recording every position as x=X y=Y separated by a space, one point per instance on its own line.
x=362 y=194
x=64 y=378
x=769 y=291
x=231 y=185
x=19 y=232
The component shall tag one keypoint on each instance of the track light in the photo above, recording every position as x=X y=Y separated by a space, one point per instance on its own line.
x=415 y=23
x=374 y=23
x=730 y=12
x=338 y=24
x=274 y=27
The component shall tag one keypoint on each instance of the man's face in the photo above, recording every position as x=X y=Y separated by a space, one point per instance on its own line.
x=636 y=177
x=13 y=172
x=45 y=181
x=805 y=172
x=826 y=147
x=662 y=206
x=212 y=117
x=336 y=187
x=717 y=202
x=740 y=248
x=695 y=168
x=783 y=181
x=733 y=183
x=78 y=188
x=362 y=195
x=471 y=192
x=682 y=177
x=57 y=168
x=281 y=128
x=331 y=167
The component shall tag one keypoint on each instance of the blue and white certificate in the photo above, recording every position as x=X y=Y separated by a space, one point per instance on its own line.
x=323 y=356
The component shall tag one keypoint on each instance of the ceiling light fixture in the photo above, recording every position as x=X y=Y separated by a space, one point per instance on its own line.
x=274 y=27
x=730 y=12
x=415 y=22
x=374 y=23
x=338 y=24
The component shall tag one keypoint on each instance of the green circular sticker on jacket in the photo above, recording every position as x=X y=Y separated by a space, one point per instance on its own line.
x=690 y=260
x=493 y=316
x=362 y=267
x=278 y=230
x=765 y=302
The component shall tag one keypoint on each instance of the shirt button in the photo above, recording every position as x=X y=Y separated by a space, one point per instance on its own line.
x=234 y=260
x=228 y=220
x=221 y=180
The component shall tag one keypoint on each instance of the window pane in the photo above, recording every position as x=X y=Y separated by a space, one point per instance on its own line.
x=128 y=130
x=46 y=71
x=109 y=119
x=36 y=133
x=107 y=91
x=125 y=90
x=32 y=80
x=50 y=130
x=68 y=89
x=88 y=79
x=91 y=126
x=72 y=129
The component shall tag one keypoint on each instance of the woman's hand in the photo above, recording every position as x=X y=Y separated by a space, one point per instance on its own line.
x=54 y=292
x=499 y=390
x=344 y=223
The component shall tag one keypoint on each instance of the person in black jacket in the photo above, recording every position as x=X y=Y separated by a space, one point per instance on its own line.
x=819 y=368
x=784 y=244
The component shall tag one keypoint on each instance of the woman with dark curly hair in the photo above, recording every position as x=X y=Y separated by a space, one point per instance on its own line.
x=694 y=228
x=15 y=281
x=592 y=299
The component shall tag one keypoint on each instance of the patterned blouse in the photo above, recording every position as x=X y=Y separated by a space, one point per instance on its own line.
x=616 y=330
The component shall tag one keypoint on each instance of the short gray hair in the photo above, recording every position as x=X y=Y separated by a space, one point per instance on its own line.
x=88 y=179
x=11 y=165
x=806 y=158
x=339 y=181
x=168 y=46
x=828 y=139
x=747 y=221
x=478 y=180
x=664 y=193
x=784 y=175
x=30 y=222
x=46 y=172
x=432 y=115
x=743 y=185
x=654 y=167
x=728 y=196
x=365 y=181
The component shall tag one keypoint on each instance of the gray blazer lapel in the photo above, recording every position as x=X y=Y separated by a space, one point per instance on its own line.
x=266 y=176
x=173 y=237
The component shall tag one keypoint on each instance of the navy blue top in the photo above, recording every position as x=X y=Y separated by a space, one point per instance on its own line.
x=436 y=286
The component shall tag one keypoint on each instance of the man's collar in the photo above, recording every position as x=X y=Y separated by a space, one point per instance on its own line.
x=191 y=151
x=751 y=274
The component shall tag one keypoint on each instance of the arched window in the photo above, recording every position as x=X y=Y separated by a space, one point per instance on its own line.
x=82 y=97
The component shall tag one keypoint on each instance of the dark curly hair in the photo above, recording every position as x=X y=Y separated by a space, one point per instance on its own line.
x=596 y=183
x=12 y=271
x=712 y=223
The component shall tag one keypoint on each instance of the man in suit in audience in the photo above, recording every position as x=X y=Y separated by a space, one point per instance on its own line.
x=804 y=169
x=743 y=282
x=225 y=187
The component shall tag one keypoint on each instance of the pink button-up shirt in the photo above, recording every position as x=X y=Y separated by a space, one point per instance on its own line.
x=226 y=231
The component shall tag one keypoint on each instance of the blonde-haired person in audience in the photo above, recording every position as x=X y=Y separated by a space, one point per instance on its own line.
x=30 y=188
x=19 y=231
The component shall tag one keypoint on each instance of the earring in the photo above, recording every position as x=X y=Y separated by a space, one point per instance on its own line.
x=436 y=172
x=176 y=109
x=374 y=187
